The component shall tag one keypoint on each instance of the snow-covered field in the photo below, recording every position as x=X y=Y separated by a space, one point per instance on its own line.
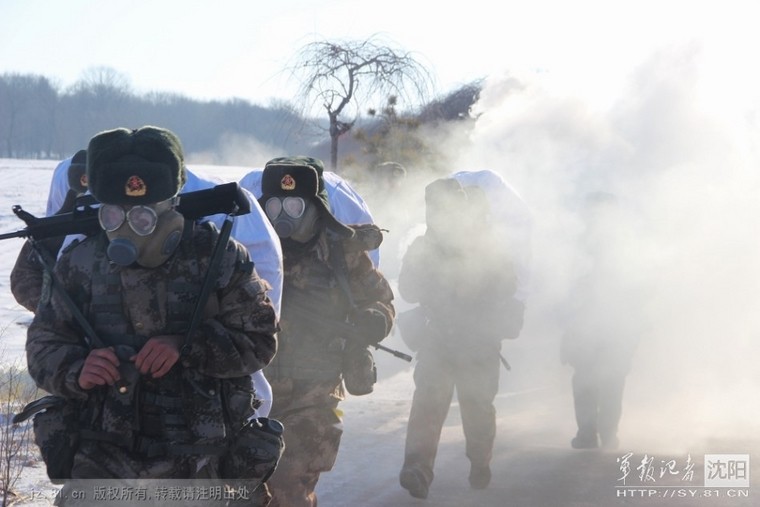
x=533 y=462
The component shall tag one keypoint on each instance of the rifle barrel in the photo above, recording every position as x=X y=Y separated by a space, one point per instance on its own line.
x=397 y=353
x=18 y=234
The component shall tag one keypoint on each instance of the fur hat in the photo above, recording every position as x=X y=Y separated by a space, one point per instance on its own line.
x=300 y=177
x=139 y=166
x=445 y=192
x=391 y=170
x=77 y=174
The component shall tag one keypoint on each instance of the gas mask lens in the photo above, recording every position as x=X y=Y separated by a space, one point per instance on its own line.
x=111 y=217
x=273 y=207
x=293 y=207
x=141 y=219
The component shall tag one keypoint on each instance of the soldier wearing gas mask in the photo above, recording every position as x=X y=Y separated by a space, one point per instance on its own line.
x=252 y=229
x=143 y=234
x=156 y=401
x=28 y=281
x=460 y=273
x=335 y=305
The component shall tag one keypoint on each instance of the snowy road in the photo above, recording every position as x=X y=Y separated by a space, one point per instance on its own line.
x=533 y=464
x=668 y=417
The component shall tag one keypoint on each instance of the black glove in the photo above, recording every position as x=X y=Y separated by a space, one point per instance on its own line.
x=371 y=326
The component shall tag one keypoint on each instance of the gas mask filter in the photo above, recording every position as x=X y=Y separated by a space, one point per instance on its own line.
x=144 y=234
x=292 y=217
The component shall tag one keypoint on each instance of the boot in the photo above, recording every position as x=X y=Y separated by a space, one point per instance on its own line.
x=585 y=440
x=414 y=481
x=480 y=476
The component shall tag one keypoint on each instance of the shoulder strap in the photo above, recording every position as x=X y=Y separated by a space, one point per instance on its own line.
x=95 y=341
x=209 y=280
x=337 y=258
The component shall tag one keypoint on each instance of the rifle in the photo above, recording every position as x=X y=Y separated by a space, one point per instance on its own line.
x=504 y=362
x=338 y=263
x=227 y=198
x=343 y=329
x=348 y=329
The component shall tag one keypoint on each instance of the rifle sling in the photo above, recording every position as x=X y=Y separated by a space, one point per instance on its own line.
x=338 y=263
x=95 y=342
x=209 y=280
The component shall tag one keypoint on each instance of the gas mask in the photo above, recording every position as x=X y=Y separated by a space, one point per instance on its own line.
x=292 y=217
x=145 y=234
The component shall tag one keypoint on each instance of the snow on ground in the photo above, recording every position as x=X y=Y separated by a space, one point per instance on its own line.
x=533 y=462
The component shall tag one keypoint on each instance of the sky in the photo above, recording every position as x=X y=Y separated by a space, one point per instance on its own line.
x=656 y=102
x=239 y=48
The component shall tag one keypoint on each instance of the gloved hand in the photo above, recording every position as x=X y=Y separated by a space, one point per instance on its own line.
x=371 y=325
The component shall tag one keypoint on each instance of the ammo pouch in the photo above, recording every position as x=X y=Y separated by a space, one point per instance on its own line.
x=56 y=433
x=359 y=370
x=254 y=451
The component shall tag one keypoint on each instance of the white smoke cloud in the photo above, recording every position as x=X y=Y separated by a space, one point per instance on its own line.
x=236 y=150
x=680 y=153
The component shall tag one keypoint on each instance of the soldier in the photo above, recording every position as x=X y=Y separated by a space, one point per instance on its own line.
x=461 y=275
x=253 y=230
x=156 y=399
x=335 y=304
x=346 y=204
x=69 y=174
x=388 y=176
x=27 y=275
x=604 y=327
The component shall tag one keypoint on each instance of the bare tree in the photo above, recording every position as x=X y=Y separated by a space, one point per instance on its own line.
x=102 y=98
x=104 y=81
x=340 y=76
x=393 y=137
x=455 y=106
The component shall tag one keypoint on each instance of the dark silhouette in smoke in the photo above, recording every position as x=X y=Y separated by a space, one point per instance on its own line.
x=603 y=329
x=461 y=275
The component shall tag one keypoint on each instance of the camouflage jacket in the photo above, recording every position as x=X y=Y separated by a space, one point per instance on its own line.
x=28 y=274
x=315 y=310
x=236 y=336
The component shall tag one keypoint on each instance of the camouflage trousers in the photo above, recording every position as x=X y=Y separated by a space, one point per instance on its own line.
x=102 y=460
x=475 y=376
x=598 y=397
x=312 y=438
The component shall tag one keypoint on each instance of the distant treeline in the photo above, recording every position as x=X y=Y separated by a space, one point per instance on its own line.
x=37 y=120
